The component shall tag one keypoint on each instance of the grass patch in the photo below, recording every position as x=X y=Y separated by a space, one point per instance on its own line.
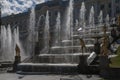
x=116 y=60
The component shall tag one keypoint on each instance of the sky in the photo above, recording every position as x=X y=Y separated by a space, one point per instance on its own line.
x=9 y=7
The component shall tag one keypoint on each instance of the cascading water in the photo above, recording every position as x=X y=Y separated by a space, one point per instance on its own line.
x=9 y=43
x=3 y=43
x=40 y=18
x=76 y=24
x=100 y=19
x=17 y=41
x=107 y=20
x=57 y=31
x=68 y=22
x=68 y=29
x=46 y=34
x=91 y=20
x=31 y=34
x=82 y=22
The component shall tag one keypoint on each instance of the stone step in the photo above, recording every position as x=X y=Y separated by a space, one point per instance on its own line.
x=47 y=67
x=56 y=58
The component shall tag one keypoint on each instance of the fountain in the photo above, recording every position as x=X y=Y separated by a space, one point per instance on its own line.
x=68 y=22
x=46 y=35
x=82 y=22
x=63 y=55
x=31 y=32
x=91 y=20
x=9 y=39
x=100 y=18
x=63 y=52
x=57 y=31
x=107 y=20
x=6 y=44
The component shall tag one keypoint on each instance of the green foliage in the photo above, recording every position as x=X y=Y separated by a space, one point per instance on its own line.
x=116 y=60
x=118 y=50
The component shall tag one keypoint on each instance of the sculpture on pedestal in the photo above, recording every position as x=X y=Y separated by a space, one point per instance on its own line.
x=82 y=64
x=83 y=47
x=118 y=21
x=17 y=49
x=104 y=61
x=17 y=58
x=105 y=43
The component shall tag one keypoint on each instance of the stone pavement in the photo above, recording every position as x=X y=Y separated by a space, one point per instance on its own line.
x=13 y=76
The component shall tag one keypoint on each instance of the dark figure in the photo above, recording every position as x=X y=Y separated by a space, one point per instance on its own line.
x=97 y=52
x=113 y=33
x=117 y=34
x=97 y=47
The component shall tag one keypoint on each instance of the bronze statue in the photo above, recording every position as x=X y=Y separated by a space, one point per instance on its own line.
x=104 y=47
x=118 y=21
x=17 y=58
x=17 y=49
x=82 y=43
x=105 y=43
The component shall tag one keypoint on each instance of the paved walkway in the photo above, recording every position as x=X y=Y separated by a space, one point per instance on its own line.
x=13 y=76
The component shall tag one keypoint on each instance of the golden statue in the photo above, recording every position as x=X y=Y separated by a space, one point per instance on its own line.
x=17 y=49
x=118 y=20
x=105 y=42
x=82 y=43
x=104 y=47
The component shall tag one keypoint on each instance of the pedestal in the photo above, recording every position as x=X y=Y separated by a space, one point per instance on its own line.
x=16 y=62
x=82 y=64
x=104 y=66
